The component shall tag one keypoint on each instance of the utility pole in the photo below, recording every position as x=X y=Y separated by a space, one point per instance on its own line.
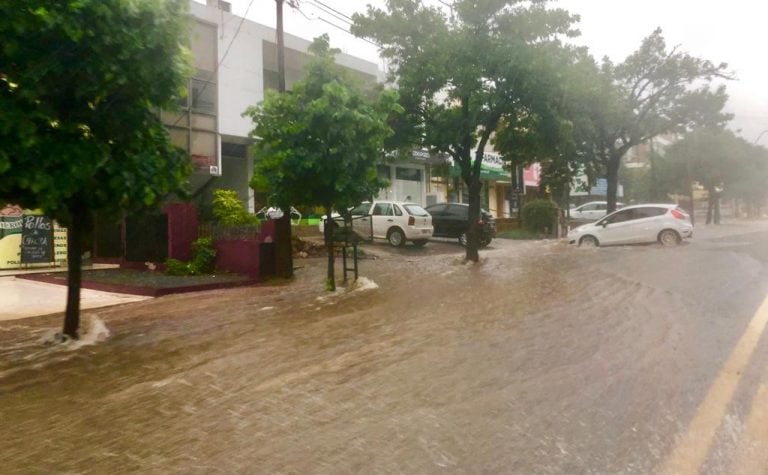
x=283 y=240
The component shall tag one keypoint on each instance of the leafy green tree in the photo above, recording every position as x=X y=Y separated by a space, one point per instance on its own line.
x=749 y=178
x=721 y=162
x=461 y=75
x=656 y=90
x=553 y=127
x=80 y=85
x=319 y=144
x=228 y=209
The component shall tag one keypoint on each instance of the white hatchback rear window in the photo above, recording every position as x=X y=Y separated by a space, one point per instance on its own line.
x=415 y=210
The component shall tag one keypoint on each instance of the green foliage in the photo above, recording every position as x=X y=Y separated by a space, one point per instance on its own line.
x=716 y=157
x=202 y=262
x=229 y=210
x=539 y=216
x=80 y=86
x=176 y=267
x=462 y=77
x=319 y=144
x=653 y=92
x=81 y=83
x=203 y=256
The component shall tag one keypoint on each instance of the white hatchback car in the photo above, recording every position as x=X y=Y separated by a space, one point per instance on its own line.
x=665 y=223
x=395 y=221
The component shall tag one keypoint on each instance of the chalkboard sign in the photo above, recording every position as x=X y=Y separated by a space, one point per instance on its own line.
x=36 y=240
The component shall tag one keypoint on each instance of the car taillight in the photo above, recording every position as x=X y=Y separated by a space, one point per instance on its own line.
x=677 y=214
x=411 y=220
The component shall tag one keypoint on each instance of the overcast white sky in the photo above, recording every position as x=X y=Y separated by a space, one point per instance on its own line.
x=735 y=32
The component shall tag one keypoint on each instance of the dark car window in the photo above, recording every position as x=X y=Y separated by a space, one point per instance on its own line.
x=458 y=211
x=382 y=209
x=398 y=211
x=649 y=212
x=436 y=210
x=621 y=216
x=361 y=210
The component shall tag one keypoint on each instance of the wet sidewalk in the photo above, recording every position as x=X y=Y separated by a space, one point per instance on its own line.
x=24 y=298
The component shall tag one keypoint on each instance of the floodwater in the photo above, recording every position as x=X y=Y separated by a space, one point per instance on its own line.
x=539 y=359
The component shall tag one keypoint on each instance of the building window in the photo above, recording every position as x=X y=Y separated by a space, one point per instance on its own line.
x=203 y=96
x=271 y=80
x=408 y=174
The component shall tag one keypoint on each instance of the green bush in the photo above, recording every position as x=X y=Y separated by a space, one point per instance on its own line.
x=229 y=210
x=203 y=256
x=539 y=216
x=176 y=267
x=203 y=260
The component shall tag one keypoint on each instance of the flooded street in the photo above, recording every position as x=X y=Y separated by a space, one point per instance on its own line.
x=542 y=358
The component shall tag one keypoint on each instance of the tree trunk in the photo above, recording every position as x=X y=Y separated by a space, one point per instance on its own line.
x=284 y=246
x=78 y=222
x=612 y=177
x=473 y=233
x=717 y=207
x=710 y=203
x=328 y=234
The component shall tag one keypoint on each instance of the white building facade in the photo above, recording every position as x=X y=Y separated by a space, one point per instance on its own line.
x=235 y=62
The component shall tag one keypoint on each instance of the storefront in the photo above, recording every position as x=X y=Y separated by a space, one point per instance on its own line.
x=412 y=179
x=30 y=240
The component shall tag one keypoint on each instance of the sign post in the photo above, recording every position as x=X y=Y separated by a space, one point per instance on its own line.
x=36 y=240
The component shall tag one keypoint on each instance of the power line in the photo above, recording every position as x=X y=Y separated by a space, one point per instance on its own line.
x=332 y=9
x=341 y=16
x=319 y=6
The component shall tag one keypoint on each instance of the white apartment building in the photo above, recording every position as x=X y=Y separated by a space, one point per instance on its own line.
x=235 y=61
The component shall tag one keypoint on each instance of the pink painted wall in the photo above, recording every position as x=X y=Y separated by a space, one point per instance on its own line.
x=182 y=229
x=243 y=256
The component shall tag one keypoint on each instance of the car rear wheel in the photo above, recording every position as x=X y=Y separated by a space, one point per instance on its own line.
x=588 y=241
x=463 y=239
x=669 y=237
x=419 y=242
x=396 y=237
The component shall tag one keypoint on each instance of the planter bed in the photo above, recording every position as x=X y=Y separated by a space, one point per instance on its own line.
x=136 y=282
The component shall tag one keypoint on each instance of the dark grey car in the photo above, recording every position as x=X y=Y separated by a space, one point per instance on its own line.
x=452 y=220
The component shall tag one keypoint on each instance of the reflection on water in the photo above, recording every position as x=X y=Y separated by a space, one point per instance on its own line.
x=520 y=363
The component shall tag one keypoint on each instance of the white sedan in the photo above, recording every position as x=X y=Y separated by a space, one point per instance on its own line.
x=664 y=223
x=395 y=221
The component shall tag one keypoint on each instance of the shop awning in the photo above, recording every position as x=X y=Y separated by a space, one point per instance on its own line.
x=487 y=173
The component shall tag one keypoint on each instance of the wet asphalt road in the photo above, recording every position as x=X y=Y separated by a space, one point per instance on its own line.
x=540 y=359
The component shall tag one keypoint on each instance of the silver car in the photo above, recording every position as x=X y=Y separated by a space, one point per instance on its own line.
x=591 y=211
x=664 y=223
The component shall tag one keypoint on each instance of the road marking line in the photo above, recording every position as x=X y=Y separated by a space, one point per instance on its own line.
x=691 y=451
x=752 y=456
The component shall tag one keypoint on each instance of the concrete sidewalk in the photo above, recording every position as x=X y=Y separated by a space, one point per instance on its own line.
x=23 y=298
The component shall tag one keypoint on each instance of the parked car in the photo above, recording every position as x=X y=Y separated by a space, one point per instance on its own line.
x=665 y=223
x=452 y=220
x=395 y=221
x=591 y=211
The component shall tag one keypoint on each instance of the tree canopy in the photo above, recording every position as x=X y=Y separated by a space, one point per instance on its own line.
x=719 y=161
x=81 y=83
x=656 y=90
x=319 y=144
x=460 y=75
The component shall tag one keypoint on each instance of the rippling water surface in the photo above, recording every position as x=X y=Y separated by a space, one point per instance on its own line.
x=539 y=359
